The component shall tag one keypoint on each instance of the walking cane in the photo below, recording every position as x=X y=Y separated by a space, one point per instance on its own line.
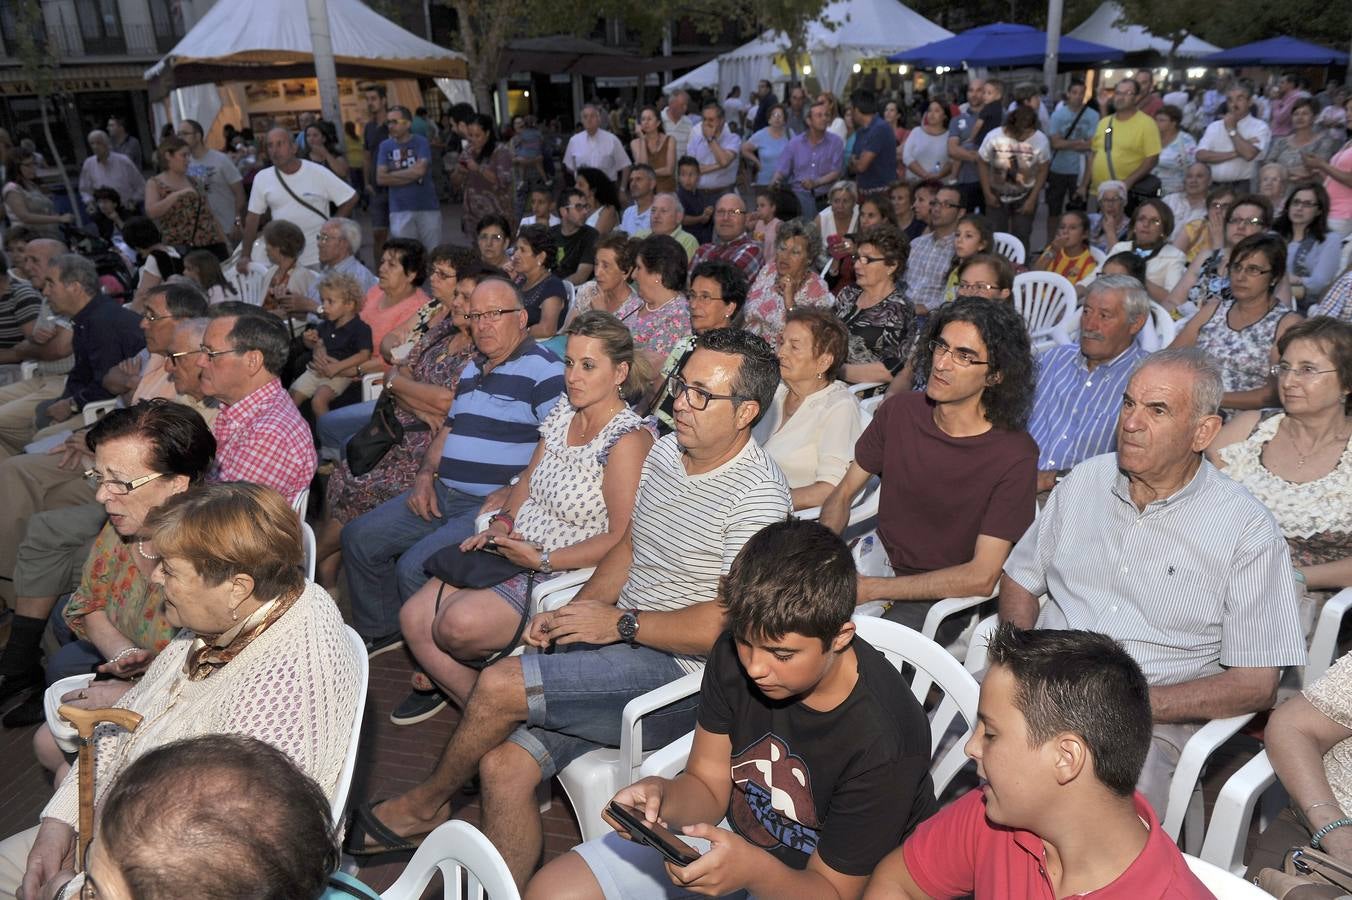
x=85 y=721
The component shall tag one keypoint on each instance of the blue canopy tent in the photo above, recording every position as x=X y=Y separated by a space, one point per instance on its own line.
x=1003 y=44
x=1278 y=51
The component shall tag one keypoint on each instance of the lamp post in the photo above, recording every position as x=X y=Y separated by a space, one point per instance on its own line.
x=326 y=71
x=1049 y=62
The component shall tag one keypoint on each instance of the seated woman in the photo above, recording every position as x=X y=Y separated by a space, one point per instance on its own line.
x=1164 y=263
x=658 y=314
x=1242 y=332
x=422 y=386
x=1299 y=461
x=203 y=269
x=1273 y=183
x=396 y=306
x=836 y=224
x=813 y=421
x=570 y=506
x=787 y=280
x=261 y=653
x=973 y=235
x=544 y=295
x=1313 y=249
x=1110 y=224
x=287 y=284
x=602 y=197
x=160 y=262
x=492 y=237
x=1202 y=235
x=875 y=311
x=1208 y=275
x=609 y=290
x=876 y=210
x=110 y=216
x=1068 y=254
x=26 y=203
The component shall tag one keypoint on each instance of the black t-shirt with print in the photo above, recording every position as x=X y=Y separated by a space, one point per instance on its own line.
x=850 y=783
x=573 y=250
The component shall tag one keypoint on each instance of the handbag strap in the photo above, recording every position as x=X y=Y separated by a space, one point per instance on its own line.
x=1108 y=148
x=1071 y=129
x=294 y=196
x=516 y=636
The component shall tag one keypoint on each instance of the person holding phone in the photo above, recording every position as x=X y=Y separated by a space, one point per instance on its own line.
x=808 y=744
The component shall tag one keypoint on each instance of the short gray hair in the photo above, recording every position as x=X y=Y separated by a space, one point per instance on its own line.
x=798 y=228
x=71 y=268
x=192 y=329
x=98 y=133
x=1135 y=300
x=351 y=232
x=846 y=186
x=1208 y=378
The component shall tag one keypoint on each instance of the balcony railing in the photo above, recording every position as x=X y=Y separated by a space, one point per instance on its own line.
x=137 y=41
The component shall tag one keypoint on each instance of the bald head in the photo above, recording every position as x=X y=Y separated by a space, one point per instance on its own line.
x=666 y=214
x=729 y=217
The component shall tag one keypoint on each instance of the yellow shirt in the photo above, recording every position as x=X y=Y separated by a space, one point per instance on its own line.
x=1133 y=140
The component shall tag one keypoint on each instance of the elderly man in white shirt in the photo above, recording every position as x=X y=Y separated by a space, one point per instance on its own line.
x=596 y=148
x=717 y=149
x=677 y=121
x=1234 y=144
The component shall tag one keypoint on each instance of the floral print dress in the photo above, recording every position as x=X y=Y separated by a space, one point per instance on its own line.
x=1244 y=354
x=764 y=310
x=112 y=582
x=882 y=333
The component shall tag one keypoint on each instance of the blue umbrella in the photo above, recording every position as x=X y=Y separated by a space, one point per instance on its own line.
x=1002 y=44
x=1278 y=51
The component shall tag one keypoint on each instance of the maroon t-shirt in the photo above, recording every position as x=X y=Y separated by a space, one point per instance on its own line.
x=940 y=492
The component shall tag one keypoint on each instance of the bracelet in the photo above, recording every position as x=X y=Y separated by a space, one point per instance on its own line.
x=504 y=518
x=1319 y=804
x=1319 y=835
x=123 y=654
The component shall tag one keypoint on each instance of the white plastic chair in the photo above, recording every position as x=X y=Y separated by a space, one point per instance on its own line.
x=96 y=410
x=864 y=387
x=1185 y=804
x=251 y=287
x=1224 y=885
x=27 y=369
x=340 y=791
x=372 y=386
x=1100 y=257
x=1043 y=299
x=1228 y=831
x=307 y=537
x=1010 y=247
x=63 y=731
x=1324 y=643
x=871 y=559
x=934 y=667
x=462 y=853
x=301 y=503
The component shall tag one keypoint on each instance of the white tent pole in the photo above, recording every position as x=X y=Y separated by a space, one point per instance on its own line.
x=326 y=71
x=1049 y=62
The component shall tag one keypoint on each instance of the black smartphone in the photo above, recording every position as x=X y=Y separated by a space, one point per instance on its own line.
x=677 y=851
x=492 y=547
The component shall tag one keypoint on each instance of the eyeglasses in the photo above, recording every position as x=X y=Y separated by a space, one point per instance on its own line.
x=212 y=354
x=151 y=316
x=489 y=315
x=706 y=297
x=1300 y=373
x=171 y=359
x=115 y=487
x=323 y=238
x=868 y=260
x=697 y=398
x=443 y=273
x=963 y=358
x=1247 y=220
x=1306 y=204
x=972 y=287
x=729 y=212
x=1251 y=271
x=495 y=238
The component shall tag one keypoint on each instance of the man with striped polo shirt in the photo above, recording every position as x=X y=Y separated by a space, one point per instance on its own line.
x=648 y=616
x=488 y=437
x=1154 y=547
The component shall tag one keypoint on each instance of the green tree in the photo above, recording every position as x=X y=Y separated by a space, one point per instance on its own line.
x=39 y=67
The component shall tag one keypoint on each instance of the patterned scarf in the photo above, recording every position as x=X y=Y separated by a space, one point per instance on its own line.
x=206 y=657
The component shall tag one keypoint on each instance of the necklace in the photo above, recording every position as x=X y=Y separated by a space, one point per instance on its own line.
x=650 y=308
x=141 y=549
x=1340 y=440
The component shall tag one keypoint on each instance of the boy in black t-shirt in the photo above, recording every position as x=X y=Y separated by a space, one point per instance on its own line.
x=341 y=343
x=809 y=744
x=697 y=215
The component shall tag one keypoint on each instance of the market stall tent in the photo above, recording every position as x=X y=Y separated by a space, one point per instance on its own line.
x=1278 y=51
x=1102 y=28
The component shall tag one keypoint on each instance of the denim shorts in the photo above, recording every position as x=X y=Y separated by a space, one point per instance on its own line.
x=576 y=695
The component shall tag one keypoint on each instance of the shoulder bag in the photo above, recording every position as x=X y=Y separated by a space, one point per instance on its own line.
x=294 y=196
x=383 y=431
x=1307 y=874
x=479 y=569
x=1145 y=187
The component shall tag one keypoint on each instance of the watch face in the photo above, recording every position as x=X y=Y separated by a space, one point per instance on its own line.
x=628 y=626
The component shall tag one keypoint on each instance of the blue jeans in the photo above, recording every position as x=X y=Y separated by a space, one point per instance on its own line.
x=385 y=549
x=336 y=428
x=76 y=656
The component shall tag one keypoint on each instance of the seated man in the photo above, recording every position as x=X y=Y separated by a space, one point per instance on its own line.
x=1155 y=548
x=666 y=219
x=488 y=437
x=339 y=239
x=648 y=616
x=809 y=743
x=958 y=470
x=1079 y=388
x=1063 y=727
x=731 y=241
x=260 y=436
x=574 y=239
x=20 y=303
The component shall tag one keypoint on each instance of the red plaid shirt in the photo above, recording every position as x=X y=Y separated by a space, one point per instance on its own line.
x=744 y=252
x=263 y=439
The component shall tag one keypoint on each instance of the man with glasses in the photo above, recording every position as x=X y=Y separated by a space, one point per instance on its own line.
x=488 y=437
x=403 y=165
x=574 y=240
x=958 y=469
x=293 y=190
x=1135 y=140
x=731 y=243
x=260 y=435
x=1154 y=547
x=217 y=173
x=648 y=616
x=339 y=240
x=932 y=252
x=1234 y=144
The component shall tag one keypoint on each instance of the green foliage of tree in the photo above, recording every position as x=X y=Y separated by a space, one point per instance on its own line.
x=1229 y=23
x=39 y=67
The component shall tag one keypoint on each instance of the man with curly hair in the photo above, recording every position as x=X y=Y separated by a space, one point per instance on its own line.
x=958 y=469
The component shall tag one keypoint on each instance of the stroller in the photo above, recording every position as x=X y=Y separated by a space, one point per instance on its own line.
x=117 y=282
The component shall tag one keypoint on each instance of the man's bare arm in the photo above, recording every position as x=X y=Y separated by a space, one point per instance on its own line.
x=1239 y=690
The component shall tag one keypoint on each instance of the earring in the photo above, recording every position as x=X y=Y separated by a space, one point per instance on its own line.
x=234 y=615
x=821 y=375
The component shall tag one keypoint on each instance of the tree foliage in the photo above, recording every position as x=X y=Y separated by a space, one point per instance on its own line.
x=39 y=67
x=1229 y=23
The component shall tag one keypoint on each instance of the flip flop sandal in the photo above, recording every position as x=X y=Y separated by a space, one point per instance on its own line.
x=365 y=824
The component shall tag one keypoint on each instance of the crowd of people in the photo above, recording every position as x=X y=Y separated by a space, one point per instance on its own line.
x=655 y=360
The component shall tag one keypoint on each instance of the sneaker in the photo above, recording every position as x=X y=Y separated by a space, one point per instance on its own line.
x=377 y=646
x=418 y=706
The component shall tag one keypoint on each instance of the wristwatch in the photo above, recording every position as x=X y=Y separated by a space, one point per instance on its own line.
x=628 y=626
x=1232 y=132
x=545 y=567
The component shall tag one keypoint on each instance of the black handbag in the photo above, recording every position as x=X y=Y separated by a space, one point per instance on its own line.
x=384 y=430
x=479 y=569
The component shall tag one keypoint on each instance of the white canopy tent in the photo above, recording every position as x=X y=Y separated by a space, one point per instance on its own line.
x=863 y=29
x=261 y=40
x=1101 y=28
x=698 y=78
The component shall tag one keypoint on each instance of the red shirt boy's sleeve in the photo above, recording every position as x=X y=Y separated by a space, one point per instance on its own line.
x=941 y=853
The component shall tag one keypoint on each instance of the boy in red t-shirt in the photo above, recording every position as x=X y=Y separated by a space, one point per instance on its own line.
x=1063 y=730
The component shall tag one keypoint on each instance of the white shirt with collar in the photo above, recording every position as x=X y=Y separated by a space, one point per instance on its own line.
x=1217 y=138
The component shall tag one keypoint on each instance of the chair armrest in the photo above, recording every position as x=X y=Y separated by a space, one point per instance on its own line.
x=481 y=521
x=631 y=721
x=670 y=760
x=1228 y=831
x=950 y=607
x=557 y=591
x=1324 y=645
x=1195 y=753
x=96 y=410
x=864 y=387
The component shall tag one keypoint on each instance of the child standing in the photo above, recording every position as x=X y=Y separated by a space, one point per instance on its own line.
x=698 y=214
x=341 y=343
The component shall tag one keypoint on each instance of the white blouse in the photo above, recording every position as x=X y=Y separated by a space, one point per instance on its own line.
x=817 y=442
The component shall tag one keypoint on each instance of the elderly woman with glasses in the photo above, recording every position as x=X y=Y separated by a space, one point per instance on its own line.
x=260 y=653
x=876 y=313
x=787 y=280
x=1243 y=332
x=1110 y=224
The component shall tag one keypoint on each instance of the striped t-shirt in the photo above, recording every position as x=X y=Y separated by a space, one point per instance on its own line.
x=495 y=418
x=686 y=529
x=1075 y=410
x=18 y=306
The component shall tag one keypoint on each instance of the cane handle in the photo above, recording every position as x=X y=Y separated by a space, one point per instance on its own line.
x=85 y=720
